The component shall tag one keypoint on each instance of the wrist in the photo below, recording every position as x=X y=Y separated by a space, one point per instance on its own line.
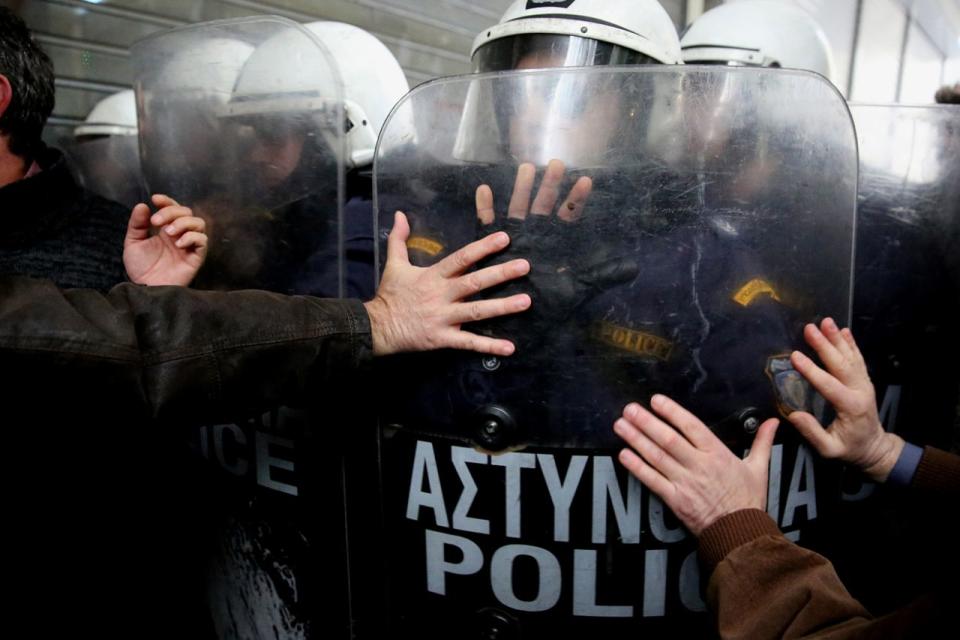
x=377 y=313
x=889 y=449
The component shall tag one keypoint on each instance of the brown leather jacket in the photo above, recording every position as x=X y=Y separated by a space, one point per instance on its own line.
x=174 y=352
x=764 y=586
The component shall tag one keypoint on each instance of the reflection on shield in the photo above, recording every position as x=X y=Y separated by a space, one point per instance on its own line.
x=253 y=143
x=682 y=226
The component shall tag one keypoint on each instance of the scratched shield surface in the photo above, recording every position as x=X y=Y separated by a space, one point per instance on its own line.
x=682 y=226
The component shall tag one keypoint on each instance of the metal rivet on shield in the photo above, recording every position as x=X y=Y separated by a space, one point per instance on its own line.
x=491 y=363
x=494 y=428
x=583 y=29
x=751 y=424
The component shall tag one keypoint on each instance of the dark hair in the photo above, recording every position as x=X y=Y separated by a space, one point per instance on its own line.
x=30 y=73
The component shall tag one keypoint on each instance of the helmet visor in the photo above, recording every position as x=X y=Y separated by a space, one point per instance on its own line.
x=546 y=51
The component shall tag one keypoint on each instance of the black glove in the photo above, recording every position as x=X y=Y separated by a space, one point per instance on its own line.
x=568 y=268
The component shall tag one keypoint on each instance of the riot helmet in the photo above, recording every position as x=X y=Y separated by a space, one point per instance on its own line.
x=104 y=154
x=577 y=33
x=372 y=84
x=287 y=113
x=115 y=115
x=759 y=33
x=538 y=35
x=181 y=81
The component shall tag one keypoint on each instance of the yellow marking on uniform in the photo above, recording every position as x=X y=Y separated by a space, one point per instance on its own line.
x=645 y=344
x=753 y=290
x=426 y=245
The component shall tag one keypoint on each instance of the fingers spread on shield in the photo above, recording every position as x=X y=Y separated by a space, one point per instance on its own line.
x=522 y=190
x=485 y=212
x=549 y=191
x=465 y=257
x=572 y=208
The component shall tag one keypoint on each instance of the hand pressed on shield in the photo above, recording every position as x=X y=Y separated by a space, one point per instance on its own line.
x=423 y=308
x=170 y=256
x=684 y=463
x=856 y=436
x=566 y=268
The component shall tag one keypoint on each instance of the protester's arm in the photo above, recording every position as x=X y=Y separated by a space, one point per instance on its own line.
x=764 y=586
x=856 y=435
x=761 y=585
x=203 y=354
x=180 y=352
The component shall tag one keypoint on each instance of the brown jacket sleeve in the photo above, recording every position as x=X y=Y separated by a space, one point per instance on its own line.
x=171 y=352
x=764 y=586
x=938 y=472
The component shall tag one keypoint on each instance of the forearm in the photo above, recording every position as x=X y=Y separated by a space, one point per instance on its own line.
x=764 y=586
x=206 y=355
x=938 y=471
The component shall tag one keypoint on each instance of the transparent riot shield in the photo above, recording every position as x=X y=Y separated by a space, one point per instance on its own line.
x=905 y=313
x=682 y=226
x=242 y=121
x=109 y=166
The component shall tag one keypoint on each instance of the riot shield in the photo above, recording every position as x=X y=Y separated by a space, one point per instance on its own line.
x=253 y=143
x=109 y=166
x=687 y=224
x=905 y=303
x=905 y=313
x=242 y=121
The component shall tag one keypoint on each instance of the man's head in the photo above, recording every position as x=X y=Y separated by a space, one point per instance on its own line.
x=26 y=87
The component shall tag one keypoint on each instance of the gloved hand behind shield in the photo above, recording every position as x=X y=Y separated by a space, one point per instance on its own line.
x=568 y=265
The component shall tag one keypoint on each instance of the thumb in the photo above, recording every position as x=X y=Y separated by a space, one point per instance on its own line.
x=397 y=241
x=811 y=430
x=762 y=444
x=612 y=272
x=138 y=228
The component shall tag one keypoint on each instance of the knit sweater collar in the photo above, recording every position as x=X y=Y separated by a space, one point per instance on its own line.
x=41 y=204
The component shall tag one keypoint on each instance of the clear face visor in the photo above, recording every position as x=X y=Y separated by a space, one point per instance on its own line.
x=530 y=111
x=540 y=117
x=547 y=51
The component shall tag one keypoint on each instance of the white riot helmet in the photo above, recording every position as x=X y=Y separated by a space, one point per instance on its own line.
x=759 y=33
x=208 y=67
x=115 y=115
x=181 y=79
x=289 y=72
x=372 y=84
x=577 y=33
x=104 y=154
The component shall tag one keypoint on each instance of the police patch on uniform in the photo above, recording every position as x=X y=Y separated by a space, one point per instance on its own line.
x=753 y=290
x=424 y=245
x=792 y=390
x=638 y=342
